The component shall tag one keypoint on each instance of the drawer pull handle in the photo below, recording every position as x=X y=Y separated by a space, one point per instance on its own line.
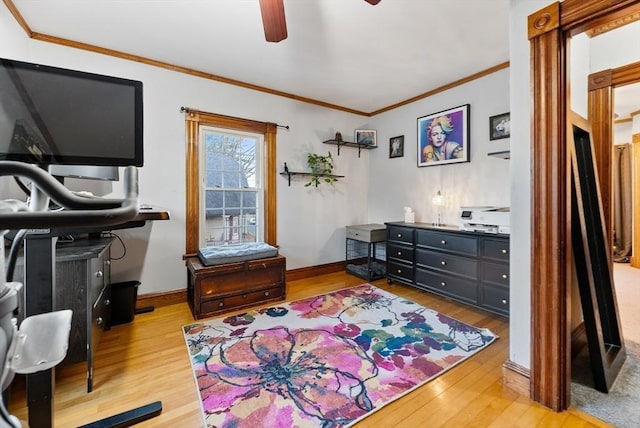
x=221 y=304
x=505 y=276
x=443 y=284
x=99 y=321
x=107 y=262
x=399 y=253
x=399 y=271
x=443 y=242
x=504 y=251
x=107 y=302
x=399 y=235
x=99 y=274
x=504 y=301
x=443 y=263
x=244 y=296
x=266 y=294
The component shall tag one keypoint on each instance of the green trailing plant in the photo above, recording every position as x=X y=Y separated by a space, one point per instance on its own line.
x=321 y=169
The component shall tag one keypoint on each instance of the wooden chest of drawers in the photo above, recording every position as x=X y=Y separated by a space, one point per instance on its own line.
x=214 y=290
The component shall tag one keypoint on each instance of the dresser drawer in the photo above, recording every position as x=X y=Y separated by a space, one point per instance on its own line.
x=237 y=301
x=400 y=271
x=400 y=234
x=495 y=299
x=367 y=232
x=99 y=275
x=400 y=252
x=100 y=316
x=495 y=248
x=458 y=288
x=496 y=273
x=452 y=242
x=447 y=263
x=237 y=277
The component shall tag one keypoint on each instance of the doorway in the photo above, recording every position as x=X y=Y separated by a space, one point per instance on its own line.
x=627 y=275
x=550 y=33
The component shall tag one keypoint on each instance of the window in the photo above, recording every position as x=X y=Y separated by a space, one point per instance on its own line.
x=230 y=173
x=229 y=197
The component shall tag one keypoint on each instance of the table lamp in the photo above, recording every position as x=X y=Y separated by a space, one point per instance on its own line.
x=438 y=201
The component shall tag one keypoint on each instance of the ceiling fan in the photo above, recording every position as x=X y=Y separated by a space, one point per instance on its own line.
x=274 y=22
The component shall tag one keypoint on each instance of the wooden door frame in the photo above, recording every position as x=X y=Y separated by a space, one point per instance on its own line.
x=601 y=108
x=549 y=30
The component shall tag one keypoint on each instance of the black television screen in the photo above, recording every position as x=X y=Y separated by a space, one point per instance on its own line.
x=51 y=115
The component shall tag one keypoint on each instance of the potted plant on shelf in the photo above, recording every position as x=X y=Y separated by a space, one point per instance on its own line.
x=321 y=169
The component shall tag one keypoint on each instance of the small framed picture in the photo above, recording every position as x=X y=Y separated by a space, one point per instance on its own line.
x=500 y=126
x=366 y=137
x=396 y=147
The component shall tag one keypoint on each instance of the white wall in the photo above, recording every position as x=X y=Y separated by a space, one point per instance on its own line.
x=622 y=133
x=616 y=48
x=579 y=70
x=310 y=221
x=484 y=181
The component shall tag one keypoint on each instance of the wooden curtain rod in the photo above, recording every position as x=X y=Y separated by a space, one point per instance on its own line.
x=184 y=109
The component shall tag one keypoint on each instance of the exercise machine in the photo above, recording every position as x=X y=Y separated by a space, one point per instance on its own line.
x=40 y=342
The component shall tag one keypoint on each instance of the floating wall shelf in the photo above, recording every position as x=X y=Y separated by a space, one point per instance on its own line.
x=350 y=144
x=306 y=174
x=504 y=154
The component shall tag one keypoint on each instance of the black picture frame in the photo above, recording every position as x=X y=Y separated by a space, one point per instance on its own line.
x=396 y=146
x=500 y=126
x=443 y=137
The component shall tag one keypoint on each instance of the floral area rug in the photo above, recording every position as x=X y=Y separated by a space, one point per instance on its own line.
x=327 y=361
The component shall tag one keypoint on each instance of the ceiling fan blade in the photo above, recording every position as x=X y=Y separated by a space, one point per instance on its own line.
x=273 y=20
x=373 y=2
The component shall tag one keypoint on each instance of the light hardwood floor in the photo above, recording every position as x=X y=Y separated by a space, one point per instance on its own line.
x=147 y=361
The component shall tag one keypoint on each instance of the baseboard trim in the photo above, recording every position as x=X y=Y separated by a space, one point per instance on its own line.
x=164 y=298
x=173 y=297
x=517 y=378
x=308 y=272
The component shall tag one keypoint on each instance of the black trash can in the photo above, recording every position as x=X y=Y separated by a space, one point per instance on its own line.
x=123 y=301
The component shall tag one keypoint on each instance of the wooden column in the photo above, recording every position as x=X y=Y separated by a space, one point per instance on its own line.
x=550 y=252
x=635 y=190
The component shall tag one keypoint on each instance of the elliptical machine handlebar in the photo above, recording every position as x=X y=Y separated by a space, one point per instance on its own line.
x=79 y=211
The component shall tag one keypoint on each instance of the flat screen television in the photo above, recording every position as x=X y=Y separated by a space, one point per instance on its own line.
x=51 y=115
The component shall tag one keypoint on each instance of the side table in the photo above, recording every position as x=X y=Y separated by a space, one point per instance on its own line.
x=366 y=251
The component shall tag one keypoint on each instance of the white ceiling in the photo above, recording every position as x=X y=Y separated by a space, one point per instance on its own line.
x=346 y=53
x=343 y=52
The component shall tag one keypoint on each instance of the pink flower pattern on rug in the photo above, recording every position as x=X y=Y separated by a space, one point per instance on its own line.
x=326 y=361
